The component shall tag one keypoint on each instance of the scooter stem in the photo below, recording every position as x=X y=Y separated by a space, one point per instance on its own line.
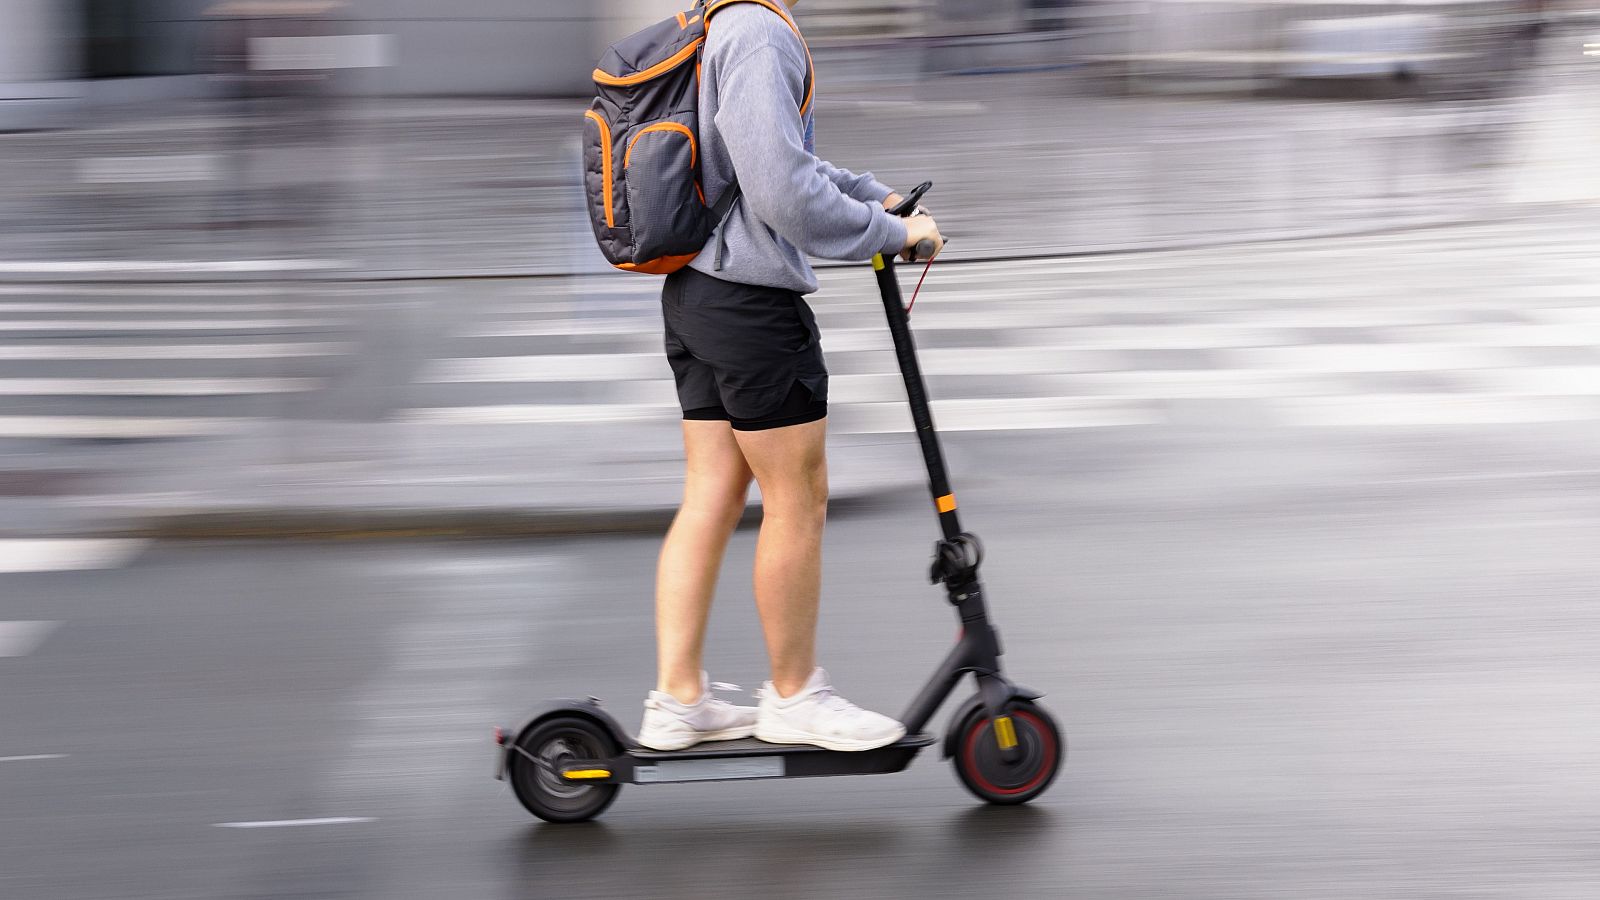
x=905 y=351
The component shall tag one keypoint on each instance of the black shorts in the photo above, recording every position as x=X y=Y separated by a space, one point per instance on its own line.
x=747 y=355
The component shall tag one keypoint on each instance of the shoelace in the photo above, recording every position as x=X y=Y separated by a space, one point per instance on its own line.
x=825 y=695
x=720 y=687
x=830 y=698
x=715 y=687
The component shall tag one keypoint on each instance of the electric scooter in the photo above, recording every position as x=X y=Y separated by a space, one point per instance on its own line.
x=571 y=758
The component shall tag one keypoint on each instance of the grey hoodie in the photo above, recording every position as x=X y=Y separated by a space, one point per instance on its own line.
x=791 y=204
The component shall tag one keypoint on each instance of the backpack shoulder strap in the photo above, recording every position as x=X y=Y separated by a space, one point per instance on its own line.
x=712 y=7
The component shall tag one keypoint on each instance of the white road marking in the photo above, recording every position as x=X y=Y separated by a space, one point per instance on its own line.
x=887 y=417
x=1569 y=315
x=1340 y=317
x=172 y=351
x=645 y=366
x=183 y=266
x=300 y=305
x=152 y=387
x=1372 y=357
x=1000 y=414
x=1585 y=334
x=165 y=324
x=1193 y=384
x=1151 y=337
x=32 y=757
x=1561 y=291
x=1535 y=380
x=558 y=367
x=296 y=823
x=543 y=414
x=154 y=168
x=1431 y=409
x=1019 y=361
x=305 y=290
x=566 y=328
x=66 y=554
x=115 y=427
x=22 y=638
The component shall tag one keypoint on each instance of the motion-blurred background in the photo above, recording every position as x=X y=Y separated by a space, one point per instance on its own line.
x=1268 y=353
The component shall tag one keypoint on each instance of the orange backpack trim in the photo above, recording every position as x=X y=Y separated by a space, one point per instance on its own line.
x=660 y=68
x=661 y=265
x=605 y=165
x=811 y=82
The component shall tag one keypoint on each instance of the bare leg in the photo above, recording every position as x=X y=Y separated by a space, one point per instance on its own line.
x=791 y=466
x=715 y=483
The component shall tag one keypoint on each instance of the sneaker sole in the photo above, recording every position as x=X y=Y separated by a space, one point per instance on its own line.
x=840 y=745
x=727 y=734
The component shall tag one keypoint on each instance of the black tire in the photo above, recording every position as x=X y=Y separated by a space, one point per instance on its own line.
x=987 y=776
x=532 y=768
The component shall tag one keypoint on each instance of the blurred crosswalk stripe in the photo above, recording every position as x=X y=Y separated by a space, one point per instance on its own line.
x=542 y=414
x=9 y=307
x=22 y=638
x=66 y=554
x=873 y=417
x=998 y=414
x=1416 y=357
x=116 y=427
x=1431 y=409
x=552 y=367
x=165 y=324
x=152 y=387
x=1491 y=324
x=164 y=266
x=171 y=351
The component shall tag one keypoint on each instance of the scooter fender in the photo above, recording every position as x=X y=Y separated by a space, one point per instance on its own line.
x=589 y=709
x=973 y=703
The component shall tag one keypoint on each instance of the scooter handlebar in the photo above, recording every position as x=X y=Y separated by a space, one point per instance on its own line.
x=909 y=205
x=924 y=248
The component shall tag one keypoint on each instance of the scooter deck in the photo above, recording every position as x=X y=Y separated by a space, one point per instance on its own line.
x=753 y=747
x=750 y=758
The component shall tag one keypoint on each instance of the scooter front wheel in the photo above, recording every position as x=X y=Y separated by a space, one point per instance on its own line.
x=537 y=758
x=980 y=763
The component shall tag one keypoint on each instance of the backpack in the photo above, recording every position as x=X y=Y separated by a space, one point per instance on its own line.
x=641 y=145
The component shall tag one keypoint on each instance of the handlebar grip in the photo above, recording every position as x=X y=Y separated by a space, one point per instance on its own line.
x=923 y=249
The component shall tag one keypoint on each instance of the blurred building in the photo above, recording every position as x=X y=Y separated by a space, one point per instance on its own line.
x=58 y=55
x=39 y=61
x=118 y=50
x=63 y=55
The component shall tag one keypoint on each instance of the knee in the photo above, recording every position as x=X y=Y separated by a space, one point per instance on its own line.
x=805 y=495
x=722 y=504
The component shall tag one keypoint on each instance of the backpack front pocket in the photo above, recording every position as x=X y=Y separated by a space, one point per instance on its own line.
x=660 y=164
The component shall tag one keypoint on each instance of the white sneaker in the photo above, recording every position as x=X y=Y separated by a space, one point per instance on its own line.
x=817 y=715
x=670 y=725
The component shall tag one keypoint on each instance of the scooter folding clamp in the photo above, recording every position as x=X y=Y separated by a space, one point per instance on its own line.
x=956 y=560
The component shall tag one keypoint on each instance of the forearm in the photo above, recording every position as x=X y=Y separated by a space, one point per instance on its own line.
x=861 y=187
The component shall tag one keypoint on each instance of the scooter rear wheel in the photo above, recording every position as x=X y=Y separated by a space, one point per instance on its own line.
x=535 y=763
x=978 y=759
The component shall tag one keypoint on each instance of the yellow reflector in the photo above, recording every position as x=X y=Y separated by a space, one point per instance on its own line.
x=1005 y=733
x=946 y=503
x=877 y=262
x=585 y=774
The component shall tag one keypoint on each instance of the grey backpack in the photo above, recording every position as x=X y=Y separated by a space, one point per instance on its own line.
x=641 y=145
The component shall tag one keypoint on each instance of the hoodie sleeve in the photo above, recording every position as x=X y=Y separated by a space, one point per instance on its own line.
x=862 y=187
x=782 y=183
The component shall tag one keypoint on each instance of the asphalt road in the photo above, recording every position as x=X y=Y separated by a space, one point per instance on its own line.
x=1292 y=663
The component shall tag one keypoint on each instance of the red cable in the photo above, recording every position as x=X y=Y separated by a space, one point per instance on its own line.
x=919 y=283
